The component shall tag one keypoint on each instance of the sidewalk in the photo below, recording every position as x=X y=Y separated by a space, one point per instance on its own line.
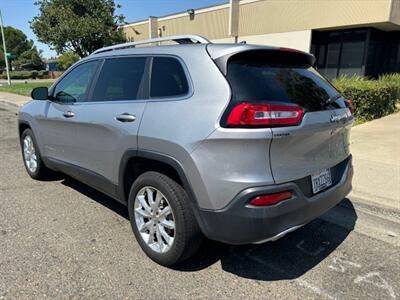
x=376 y=156
x=14 y=98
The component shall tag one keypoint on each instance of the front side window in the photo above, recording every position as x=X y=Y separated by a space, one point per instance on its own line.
x=120 y=79
x=74 y=87
x=167 y=78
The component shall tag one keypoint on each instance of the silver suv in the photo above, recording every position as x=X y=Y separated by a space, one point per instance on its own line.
x=238 y=143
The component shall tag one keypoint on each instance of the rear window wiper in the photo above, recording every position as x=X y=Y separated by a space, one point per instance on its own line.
x=333 y=98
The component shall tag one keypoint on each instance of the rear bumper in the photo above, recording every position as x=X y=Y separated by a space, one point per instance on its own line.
x=239 y=223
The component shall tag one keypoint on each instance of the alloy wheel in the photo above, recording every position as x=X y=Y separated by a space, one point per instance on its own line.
x=154 y=219
x=30 y=154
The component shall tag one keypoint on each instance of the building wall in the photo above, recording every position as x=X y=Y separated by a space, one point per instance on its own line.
x=395 y=12
x=273 y=16
x=137 y=32
x=286 y=23
x=300 y=40
x=212 y=24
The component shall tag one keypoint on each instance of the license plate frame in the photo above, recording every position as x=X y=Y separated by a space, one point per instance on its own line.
x=321 y=180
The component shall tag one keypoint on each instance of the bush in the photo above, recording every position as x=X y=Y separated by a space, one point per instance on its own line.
x=371 y=98
x=43 y=75
x=27 y=75
x=394 y=81
x=20 y=74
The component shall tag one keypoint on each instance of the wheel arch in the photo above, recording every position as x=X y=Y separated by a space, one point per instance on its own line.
x=136 y=162
x=22 y=125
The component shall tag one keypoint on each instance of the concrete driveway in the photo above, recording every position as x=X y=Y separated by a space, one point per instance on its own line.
x=62 y=239
x=376 y=151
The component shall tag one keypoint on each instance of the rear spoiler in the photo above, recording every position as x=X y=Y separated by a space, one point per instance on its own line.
x=273 y=54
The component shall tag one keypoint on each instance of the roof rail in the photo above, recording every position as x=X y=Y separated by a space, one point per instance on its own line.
x=180 y=39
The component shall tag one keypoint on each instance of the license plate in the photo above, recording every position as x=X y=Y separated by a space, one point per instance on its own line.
x=321 y=181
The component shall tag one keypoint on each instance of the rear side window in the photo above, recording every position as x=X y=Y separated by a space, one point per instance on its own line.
x=120 y=79
x=267 y=80
x=168 y=78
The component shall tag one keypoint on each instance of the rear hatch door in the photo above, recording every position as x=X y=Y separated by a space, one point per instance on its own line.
x=320 y=143
x=284 y=77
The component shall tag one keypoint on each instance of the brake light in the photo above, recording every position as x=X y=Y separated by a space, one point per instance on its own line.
x=264 y=115
x=270 y=199
x=285 y=49
x=349 y=104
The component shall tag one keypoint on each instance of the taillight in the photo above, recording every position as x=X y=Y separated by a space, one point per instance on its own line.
x=349 y=105
x=270 y=199
x=285 y=49
x=264 y=115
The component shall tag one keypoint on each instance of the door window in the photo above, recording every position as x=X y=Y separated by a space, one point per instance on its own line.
x=120 y=79
x=167 y=78
x=74 y=87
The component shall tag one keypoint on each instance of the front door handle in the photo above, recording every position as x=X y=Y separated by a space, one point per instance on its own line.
x=68 y=114
x=125 y=117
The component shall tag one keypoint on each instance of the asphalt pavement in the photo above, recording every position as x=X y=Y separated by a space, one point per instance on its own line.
x=61 y=239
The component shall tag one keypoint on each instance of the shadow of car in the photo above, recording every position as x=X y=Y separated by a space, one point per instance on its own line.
x=288 y=258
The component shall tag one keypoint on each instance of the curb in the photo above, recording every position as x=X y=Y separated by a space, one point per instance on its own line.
x=366 y=199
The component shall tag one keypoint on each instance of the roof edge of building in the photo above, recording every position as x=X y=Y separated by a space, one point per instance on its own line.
x=179 y=14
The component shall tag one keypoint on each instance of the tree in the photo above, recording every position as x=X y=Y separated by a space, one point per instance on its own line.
x=16 y=41
x=67 y=59
x=32 y=58
x=76 y=25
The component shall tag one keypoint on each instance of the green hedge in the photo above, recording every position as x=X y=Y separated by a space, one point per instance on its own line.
x=371 y=98
x=393 y=80
x=27 y=75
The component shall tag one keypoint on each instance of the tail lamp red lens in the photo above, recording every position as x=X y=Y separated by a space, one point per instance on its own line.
x=284 y=49
x=271 y=199
x=349 y=104
x=264 y=115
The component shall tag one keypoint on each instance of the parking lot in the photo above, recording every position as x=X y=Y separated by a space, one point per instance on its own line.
x=62 y=239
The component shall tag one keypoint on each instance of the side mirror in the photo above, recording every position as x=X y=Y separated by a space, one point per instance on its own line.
x=40 y=93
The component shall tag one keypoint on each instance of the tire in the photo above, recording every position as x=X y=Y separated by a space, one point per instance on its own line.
x=40 y=172
x=186 y=234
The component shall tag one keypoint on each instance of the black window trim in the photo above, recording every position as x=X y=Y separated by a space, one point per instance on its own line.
x=145 y=85
x=89 y=93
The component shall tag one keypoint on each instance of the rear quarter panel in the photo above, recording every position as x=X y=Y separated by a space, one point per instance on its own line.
x=231 y=160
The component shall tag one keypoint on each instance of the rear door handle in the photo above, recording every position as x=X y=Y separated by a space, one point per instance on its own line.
x=68 y=114
x=125 y=117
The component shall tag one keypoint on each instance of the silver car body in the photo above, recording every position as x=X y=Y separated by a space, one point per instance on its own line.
x=218 y=163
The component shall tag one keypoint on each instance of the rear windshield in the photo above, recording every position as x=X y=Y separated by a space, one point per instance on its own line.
x=262 y=80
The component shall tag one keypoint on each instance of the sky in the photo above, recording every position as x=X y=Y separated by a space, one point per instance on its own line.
x=18 y=13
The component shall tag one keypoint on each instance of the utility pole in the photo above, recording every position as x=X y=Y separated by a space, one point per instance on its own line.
x=5 y=49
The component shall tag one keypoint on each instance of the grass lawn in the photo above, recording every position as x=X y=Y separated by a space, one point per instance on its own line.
x=24 y=89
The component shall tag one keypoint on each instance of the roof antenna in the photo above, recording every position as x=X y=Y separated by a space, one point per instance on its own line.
x=243 y=43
